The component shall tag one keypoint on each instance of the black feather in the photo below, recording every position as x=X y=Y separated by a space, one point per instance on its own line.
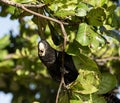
x=111 y=98
x=52 y=59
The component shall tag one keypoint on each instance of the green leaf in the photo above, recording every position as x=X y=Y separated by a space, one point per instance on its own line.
x=3 y=53
x=112 y=18
x=49 y=1
x=97 y=41
x=64 y=13
x=4 y=41
x=75 y=101
x=96 y=2
x=83 y=36
x=102 y=2
x=96 y=16
x=63 y=98
x=81 y=9
x=119 y=50
x=85 y=62
x=74 y=48
x=6 y=63
x=118 y=11
x=87 y=37
x=98 y=99
x=11 y=9
x=107 y=84
x=63 y=8
x=89 y=98
x=111 y=9
x=25 y=1
x=33 y=38
x=89 y=75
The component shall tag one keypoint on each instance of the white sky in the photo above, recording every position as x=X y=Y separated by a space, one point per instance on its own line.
x=5 y=98
x=6 y=25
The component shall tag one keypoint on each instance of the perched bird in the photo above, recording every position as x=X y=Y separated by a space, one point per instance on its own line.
x=52 y=59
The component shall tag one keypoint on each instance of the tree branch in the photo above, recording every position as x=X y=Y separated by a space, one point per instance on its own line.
x=34 y=6
x=102 y=61
x=40 y=15
x=59 y=89
x=25 y=5
x=107 y=59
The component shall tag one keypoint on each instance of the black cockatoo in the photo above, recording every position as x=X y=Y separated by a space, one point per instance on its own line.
x=52 y=59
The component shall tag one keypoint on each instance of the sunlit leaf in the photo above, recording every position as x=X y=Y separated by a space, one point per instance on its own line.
x=33 y=39
x=96 y=2
x=119 y=51
x=25 y=1
x=11 y=9
x=87 y=37
x=118 y=11
x=3 y=54
x=81 y=9
x=64 y=13
x=6 y=62
x=97 y=41
x=4 y=41
x=83 y=35
x=75 y=101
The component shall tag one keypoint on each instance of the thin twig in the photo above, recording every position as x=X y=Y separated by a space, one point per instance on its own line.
x=9 y=56
x=65 y=36
x=59 y=89
x=107 y=59
x=102 y=61
x=62 y=82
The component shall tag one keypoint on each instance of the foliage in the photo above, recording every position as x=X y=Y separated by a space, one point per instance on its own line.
x=92 y=27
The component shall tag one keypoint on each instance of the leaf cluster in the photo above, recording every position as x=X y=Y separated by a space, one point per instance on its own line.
x=93 y=41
